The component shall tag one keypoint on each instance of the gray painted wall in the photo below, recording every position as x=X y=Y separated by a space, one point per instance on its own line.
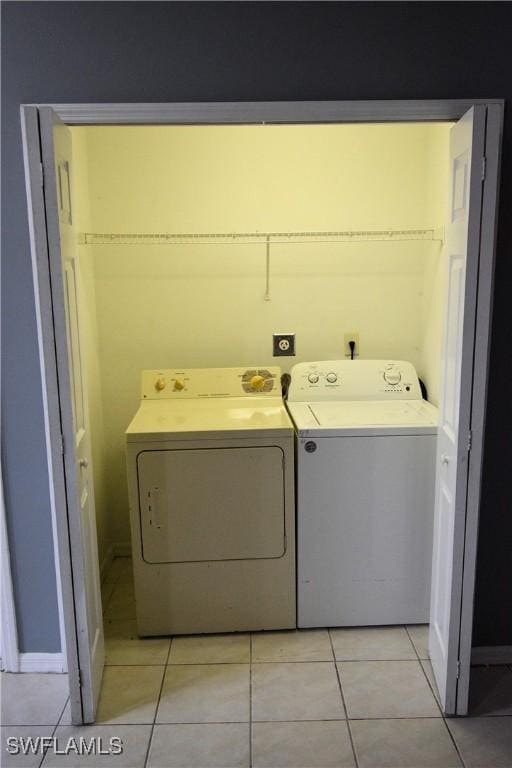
x=131 y=51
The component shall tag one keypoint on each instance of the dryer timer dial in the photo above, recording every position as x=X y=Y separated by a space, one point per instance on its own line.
x=257 y=382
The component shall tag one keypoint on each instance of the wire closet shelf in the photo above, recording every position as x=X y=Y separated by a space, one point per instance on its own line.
x=225 y=238
x=264 y=238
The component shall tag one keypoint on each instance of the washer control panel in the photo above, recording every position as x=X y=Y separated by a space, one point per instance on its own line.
x=354 y=380
x=173 y=383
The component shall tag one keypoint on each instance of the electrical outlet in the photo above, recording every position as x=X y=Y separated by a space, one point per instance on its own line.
x=283 y=344
x=352 y=336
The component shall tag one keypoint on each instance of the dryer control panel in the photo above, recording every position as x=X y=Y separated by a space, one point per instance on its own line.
x=354 y=380
x=174 y=383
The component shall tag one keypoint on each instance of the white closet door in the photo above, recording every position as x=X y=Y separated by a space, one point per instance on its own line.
x=467 y=143
x=85 y=675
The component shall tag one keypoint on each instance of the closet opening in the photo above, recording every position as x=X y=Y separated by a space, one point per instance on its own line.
x=176 y=247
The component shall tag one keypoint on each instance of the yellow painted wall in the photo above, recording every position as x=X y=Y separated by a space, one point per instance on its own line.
x=434 y=280
x=203 y=305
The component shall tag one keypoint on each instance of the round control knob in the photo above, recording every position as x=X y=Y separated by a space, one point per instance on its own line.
x=313 y=378
x=332 y=377
x=160 y=384
x=310 y=446
x=179 y=384
x=257 y=383
x=392 y=376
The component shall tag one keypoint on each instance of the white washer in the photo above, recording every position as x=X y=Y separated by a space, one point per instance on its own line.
x=210 y=457
x=366 y=443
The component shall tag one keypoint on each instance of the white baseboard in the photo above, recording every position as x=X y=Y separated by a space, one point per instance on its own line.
x=122 y=549
x=42 y=662
x=118 y=549
x=492 y=654
x=106 y=562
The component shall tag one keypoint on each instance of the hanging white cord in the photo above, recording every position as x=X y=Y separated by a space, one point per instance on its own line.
x=267 y=270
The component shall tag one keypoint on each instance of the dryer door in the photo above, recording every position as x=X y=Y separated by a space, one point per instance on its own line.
x=211 y=504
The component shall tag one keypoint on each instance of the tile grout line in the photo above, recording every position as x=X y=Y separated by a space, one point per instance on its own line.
x=250 y=700
x=450 y=735
x=143 y=664
x=114 y=585
x=280 y=661
x=423 y=670
x=244 y=722
x=352 y=744
x=455 y=745
x=305 y=720
x=116 y=582
x=43 y=756
x=364 y=661
x=241 y=722
x=157 y=704
x=104 y=607
x=64 y=709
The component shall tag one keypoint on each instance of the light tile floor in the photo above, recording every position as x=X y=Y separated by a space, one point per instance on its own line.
x=358 y=698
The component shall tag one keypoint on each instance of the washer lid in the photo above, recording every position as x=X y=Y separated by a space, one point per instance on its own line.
x=352 y=417
x=374 y=413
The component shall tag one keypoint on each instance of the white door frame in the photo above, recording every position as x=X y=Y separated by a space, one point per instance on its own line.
x=248 y=113
x=484 y=304
x=9 y=658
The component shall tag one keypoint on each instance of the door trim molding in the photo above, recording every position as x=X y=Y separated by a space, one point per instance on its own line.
x=298 y=112
x=9 y=657
x=48 y=366
x=42 y=662
x=225 y=112
x=483 y=316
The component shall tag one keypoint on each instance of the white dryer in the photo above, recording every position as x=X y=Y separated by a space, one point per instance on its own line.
x=210 y=456
x=366 y=443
